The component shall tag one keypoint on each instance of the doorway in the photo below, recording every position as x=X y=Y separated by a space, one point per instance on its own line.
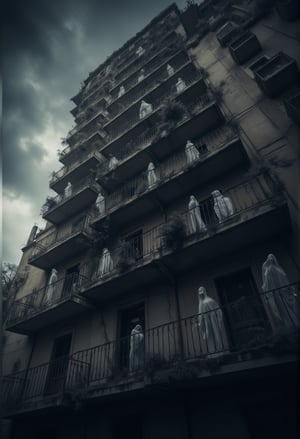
x=71 y=279
x=245 y=317
x=58 y=366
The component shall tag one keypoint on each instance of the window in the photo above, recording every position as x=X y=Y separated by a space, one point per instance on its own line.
x=134 y=245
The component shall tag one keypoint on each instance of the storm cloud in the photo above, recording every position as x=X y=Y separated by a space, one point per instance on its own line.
x=49 y=48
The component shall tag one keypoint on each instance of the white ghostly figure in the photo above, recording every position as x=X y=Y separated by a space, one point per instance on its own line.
x=121 y=91
x=106 y=263
x=100 y=203
x=136 y=353
x=151 y=175
x=170 y=70
x=145 y=109
x=197 y=222
x=68 y=190
x=191 y=152
x=141 y=75
x=180 y=85
x=282 y=299
x=51 y=287
x=222 y=205
x=140 y=51
x=210 y=320
x=113 y=163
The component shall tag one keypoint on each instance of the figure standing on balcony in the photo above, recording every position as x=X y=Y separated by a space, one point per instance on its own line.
x=100 y=203
x=106 y=263
x=191 y=152
x=121 y=91
x=141 y=75
x=151 y=175
x=170 y=70
x=68 y=190
x=51 y=287
x=136 y=353
x=197 y=223
x=145 y=109
x=140 y=51
x=113 y=162
x=180 y=85
x=210 y=322
x=223 y=206
x=280 y=296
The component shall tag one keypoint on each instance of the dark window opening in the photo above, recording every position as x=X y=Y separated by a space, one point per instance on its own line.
x=58 y=367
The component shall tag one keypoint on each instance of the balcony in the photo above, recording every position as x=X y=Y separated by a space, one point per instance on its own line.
x=278 y=74
x=59 y=245
x=46 y=306
x=77 y=171
x=62 y=207
x=219 y=152
x=201 y=116
x=259 y=211
x=227 y=32
x=244 y=47
x=248 y=335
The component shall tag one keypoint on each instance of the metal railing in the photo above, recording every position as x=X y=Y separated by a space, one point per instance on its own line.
x=43 y=299
x=58 y=200
x=170 y=168
x=254 y=321
x=58 y=236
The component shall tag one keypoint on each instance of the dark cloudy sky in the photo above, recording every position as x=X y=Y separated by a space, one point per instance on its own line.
x=49 y=47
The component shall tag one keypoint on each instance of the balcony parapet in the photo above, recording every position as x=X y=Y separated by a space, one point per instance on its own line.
x=45 y=306
x=249 y=328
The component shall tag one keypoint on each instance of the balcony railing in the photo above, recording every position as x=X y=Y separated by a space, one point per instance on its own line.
x=169 y=169
x=43 y=299
x=226 y=333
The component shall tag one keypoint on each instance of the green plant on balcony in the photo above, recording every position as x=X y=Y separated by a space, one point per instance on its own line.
x=49 y=204
x=173 y=233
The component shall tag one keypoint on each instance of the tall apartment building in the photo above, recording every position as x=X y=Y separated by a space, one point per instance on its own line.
x=161 y=299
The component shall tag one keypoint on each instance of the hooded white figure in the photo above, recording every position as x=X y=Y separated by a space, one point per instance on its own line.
x=170 y=70
x=282 y=301
x=222 y=205
x=100 y=203
x=51 y=287
x=121 y=91
x=197 y=222
x=191 y=152
x=141 y=75
x=106 y=263
x=68 y=190
x=145 y=109
x=113 y=163
x=151 y=175
x=140 y=51
x=180 y=85
x=210 y=322
x=136 y=353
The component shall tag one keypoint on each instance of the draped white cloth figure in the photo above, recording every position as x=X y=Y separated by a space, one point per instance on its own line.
x=191 y=152
x=197 y=223
x=51 y=287
x=106 y=263
x=170 y=70
x=121 y=91
x=222 y=205
x=210 y=322
x=180 y=85
x=281 y=299
x=151 y=175
x=140 y=51
x=100 y=203
x=68 y=190
x=141 y=75
x=145 y=109
x=113 y=163
x=136 y=353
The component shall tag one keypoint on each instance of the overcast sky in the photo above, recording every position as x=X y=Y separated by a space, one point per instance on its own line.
x=49 y=47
